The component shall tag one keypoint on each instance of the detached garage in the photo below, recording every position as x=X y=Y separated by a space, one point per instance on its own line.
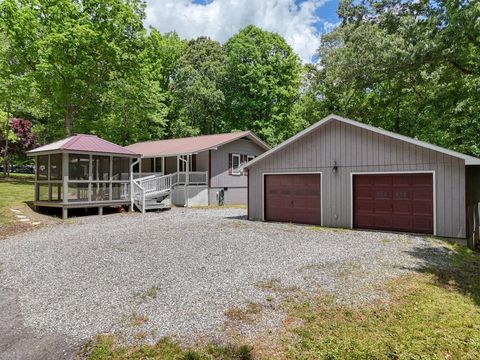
x=342 y=173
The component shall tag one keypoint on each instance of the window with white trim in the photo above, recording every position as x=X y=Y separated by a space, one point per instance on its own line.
x=250 y=158
x=236 y=162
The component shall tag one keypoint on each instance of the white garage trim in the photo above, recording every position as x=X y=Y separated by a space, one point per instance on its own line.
x=397 y=172
x=294 y=173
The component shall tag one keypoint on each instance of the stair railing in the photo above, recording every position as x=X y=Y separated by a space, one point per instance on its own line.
x=138 y=196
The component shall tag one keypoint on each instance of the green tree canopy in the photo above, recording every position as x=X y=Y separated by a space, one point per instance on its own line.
x=408 y=66
x=262 y=84
x=72 y=47
x=197 y=89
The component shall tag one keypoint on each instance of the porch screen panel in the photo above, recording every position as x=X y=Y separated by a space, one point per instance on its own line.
x=101 y=167
x=121 y=169
x=77 y=192
x=42 y=194
x=120 y=191
x=56 y=192
x=78 y=167
x=42 y=167
x=56 y=167
x=100 y=191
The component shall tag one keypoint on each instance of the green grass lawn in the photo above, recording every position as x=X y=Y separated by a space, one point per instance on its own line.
x=14 y=192
x=434 y=314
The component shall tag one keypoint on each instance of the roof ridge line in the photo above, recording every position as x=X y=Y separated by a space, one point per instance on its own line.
x=192 y=137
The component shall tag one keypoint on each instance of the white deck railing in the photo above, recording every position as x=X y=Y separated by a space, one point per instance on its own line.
x=194 y=178
x=152 y=185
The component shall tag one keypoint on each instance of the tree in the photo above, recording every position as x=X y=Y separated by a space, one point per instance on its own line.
x=262 y=84
x=136 y=105
x=16 y=141
x=407 y=66
x=72 y=47
x=197 y=89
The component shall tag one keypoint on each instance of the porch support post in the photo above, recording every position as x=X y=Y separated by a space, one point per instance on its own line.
x=110 y=187
x=65 y=177
x=154 y=165
x=163 y=166
x=64 y=213
x=100 y=210
x=187 y=173
x=90 y=177
x=49 y=184
x=36 y=178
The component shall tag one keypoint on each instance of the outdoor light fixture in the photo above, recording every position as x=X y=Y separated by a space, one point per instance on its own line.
x=335 y=167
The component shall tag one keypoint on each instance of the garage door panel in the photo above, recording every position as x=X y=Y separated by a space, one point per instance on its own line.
x=423 y=194
x=383 y=221
x=422 y=208
x=381 y=180
x=383 y=207
x=293 y=198
x=398 y=202
x=424 y=223
x=365 y=193
x=402 y=222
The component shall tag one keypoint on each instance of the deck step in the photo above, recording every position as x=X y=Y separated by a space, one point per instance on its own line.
x=157 y=206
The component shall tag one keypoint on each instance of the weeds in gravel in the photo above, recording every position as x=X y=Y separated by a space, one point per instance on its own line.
x=137 y=320
x=105 y=347
x=150 y=293
x=140 y=336
x=386 y=241
x=275 y=285
x=349 y=269
x=246 y=315
x=323 y=228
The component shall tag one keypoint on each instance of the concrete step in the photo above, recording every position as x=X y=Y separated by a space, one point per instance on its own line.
x=154 y=207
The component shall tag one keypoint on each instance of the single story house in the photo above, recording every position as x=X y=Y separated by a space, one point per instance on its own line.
x=343 y=173
x=82 y=171
x=212 y=163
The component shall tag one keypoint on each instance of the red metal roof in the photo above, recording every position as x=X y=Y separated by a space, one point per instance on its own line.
x=84 y=143
x=190 y=145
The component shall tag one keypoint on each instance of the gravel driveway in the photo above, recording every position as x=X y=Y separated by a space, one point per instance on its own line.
x=182 y=272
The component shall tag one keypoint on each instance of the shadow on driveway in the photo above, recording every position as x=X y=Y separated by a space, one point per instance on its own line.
x=21 y=342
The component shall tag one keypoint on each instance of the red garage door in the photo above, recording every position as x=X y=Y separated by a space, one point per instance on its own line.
x=293 y=198
x=398 y=202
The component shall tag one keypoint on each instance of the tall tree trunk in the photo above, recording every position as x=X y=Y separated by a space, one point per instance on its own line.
x=69 y=120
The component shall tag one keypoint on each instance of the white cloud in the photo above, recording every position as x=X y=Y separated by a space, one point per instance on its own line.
x=220 y=19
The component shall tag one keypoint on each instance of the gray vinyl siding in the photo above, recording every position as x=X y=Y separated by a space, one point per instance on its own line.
x=233 y=196
x=220 y=176
x=360 y=150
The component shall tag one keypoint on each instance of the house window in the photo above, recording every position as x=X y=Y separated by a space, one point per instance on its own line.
x=236 y=164
x=250 y=158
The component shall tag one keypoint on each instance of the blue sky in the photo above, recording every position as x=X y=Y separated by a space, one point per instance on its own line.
x=300 y=22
